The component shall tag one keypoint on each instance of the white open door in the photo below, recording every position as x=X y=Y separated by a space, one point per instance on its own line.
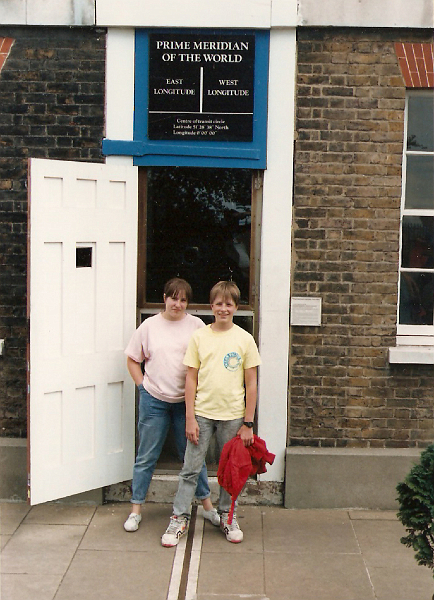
x=82 y=308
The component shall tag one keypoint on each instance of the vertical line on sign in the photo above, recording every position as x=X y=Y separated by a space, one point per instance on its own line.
x=201 y=90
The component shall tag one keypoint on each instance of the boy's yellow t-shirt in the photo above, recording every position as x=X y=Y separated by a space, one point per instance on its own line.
x=221 y=358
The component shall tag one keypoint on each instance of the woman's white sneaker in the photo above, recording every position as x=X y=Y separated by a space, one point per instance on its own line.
x=132 y=523
x=232 y=532
x=213 y=516
x=177 y=528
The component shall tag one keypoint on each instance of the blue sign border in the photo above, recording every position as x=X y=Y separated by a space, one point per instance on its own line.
x=145 y=152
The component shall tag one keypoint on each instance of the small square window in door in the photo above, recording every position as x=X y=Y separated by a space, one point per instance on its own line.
x=83 y=257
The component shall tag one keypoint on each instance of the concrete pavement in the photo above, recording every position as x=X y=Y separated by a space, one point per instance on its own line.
x=80 y=552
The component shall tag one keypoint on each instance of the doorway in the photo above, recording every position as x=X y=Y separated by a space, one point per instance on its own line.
x=201 y=224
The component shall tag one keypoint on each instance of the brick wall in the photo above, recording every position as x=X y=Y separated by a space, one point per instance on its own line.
x=350 y=116
x=51 y=106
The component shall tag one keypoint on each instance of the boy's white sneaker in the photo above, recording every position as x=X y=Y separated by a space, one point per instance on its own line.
x=232 y=532
x=177 y=528
x=213 y=516
x=132 y=523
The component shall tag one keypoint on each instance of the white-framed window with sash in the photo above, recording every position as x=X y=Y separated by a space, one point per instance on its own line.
x=416 y=269
x=415 y=313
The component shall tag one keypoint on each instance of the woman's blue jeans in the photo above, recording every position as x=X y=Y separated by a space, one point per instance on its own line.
x=155 y=418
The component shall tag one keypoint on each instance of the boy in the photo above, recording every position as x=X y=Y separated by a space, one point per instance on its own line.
x=220 y=395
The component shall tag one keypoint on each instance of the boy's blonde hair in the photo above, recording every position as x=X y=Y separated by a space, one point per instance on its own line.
x=226 y=289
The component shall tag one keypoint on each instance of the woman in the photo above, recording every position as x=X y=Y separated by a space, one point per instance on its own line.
x=161 y=341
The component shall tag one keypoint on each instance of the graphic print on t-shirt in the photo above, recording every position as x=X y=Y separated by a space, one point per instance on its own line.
x=232 y=361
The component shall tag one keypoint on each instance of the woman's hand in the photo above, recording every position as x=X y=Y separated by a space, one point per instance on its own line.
x=192 y=430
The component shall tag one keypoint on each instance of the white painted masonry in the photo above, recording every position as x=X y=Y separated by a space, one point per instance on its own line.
x=276 y=251
x=120 y=88
x=244 y=14
x=276 y=211
x=366 y=13
x=260 y=14
x=47 y=12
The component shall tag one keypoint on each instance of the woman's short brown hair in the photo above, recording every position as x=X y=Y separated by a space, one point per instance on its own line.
x=176 y=285
x=226 y=289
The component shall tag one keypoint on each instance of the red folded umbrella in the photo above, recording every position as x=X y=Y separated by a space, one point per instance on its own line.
x=238 y=463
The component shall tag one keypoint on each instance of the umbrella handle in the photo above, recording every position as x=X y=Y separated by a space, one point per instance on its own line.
x=231 y=512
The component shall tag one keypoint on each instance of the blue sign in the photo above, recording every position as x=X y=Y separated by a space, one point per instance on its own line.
x=200 y=99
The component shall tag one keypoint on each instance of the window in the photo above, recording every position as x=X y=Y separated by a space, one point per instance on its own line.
x=199 y=224
x=416 y=281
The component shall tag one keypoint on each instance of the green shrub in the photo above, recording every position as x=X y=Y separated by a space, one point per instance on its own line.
x=416 y=508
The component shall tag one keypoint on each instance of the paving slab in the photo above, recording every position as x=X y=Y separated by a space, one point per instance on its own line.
x=302 y=531
x=117 y=575
x=401 y=582
x=392 y=567
x=4 y=539
x=106 y=529
x=226 y=572
x=11 y=515
x=26 y=586
x=231 y=597
x=59 y=514
x=380 y=543
x=41 y=549
x=372 y=515
x=316 y=576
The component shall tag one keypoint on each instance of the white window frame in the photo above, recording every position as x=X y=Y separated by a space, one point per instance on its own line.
x=414 y=343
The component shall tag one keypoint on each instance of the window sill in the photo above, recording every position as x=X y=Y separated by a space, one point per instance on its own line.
x=418 y=355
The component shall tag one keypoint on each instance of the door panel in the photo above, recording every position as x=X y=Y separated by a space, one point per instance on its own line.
x=82 y=308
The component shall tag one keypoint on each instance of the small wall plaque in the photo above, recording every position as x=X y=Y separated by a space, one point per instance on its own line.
x=305 y=311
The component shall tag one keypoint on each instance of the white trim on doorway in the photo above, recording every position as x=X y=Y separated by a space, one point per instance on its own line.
x=276 y=251
x=276 y=218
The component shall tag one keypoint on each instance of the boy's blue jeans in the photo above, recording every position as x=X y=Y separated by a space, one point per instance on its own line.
x=194 y=457
x=155 y=418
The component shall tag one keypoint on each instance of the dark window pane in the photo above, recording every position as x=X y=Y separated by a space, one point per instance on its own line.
x=83 y=257
x=419 y=187
x=420 y=134
x=198 y=227
x=417 y=242
x=416 y=299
